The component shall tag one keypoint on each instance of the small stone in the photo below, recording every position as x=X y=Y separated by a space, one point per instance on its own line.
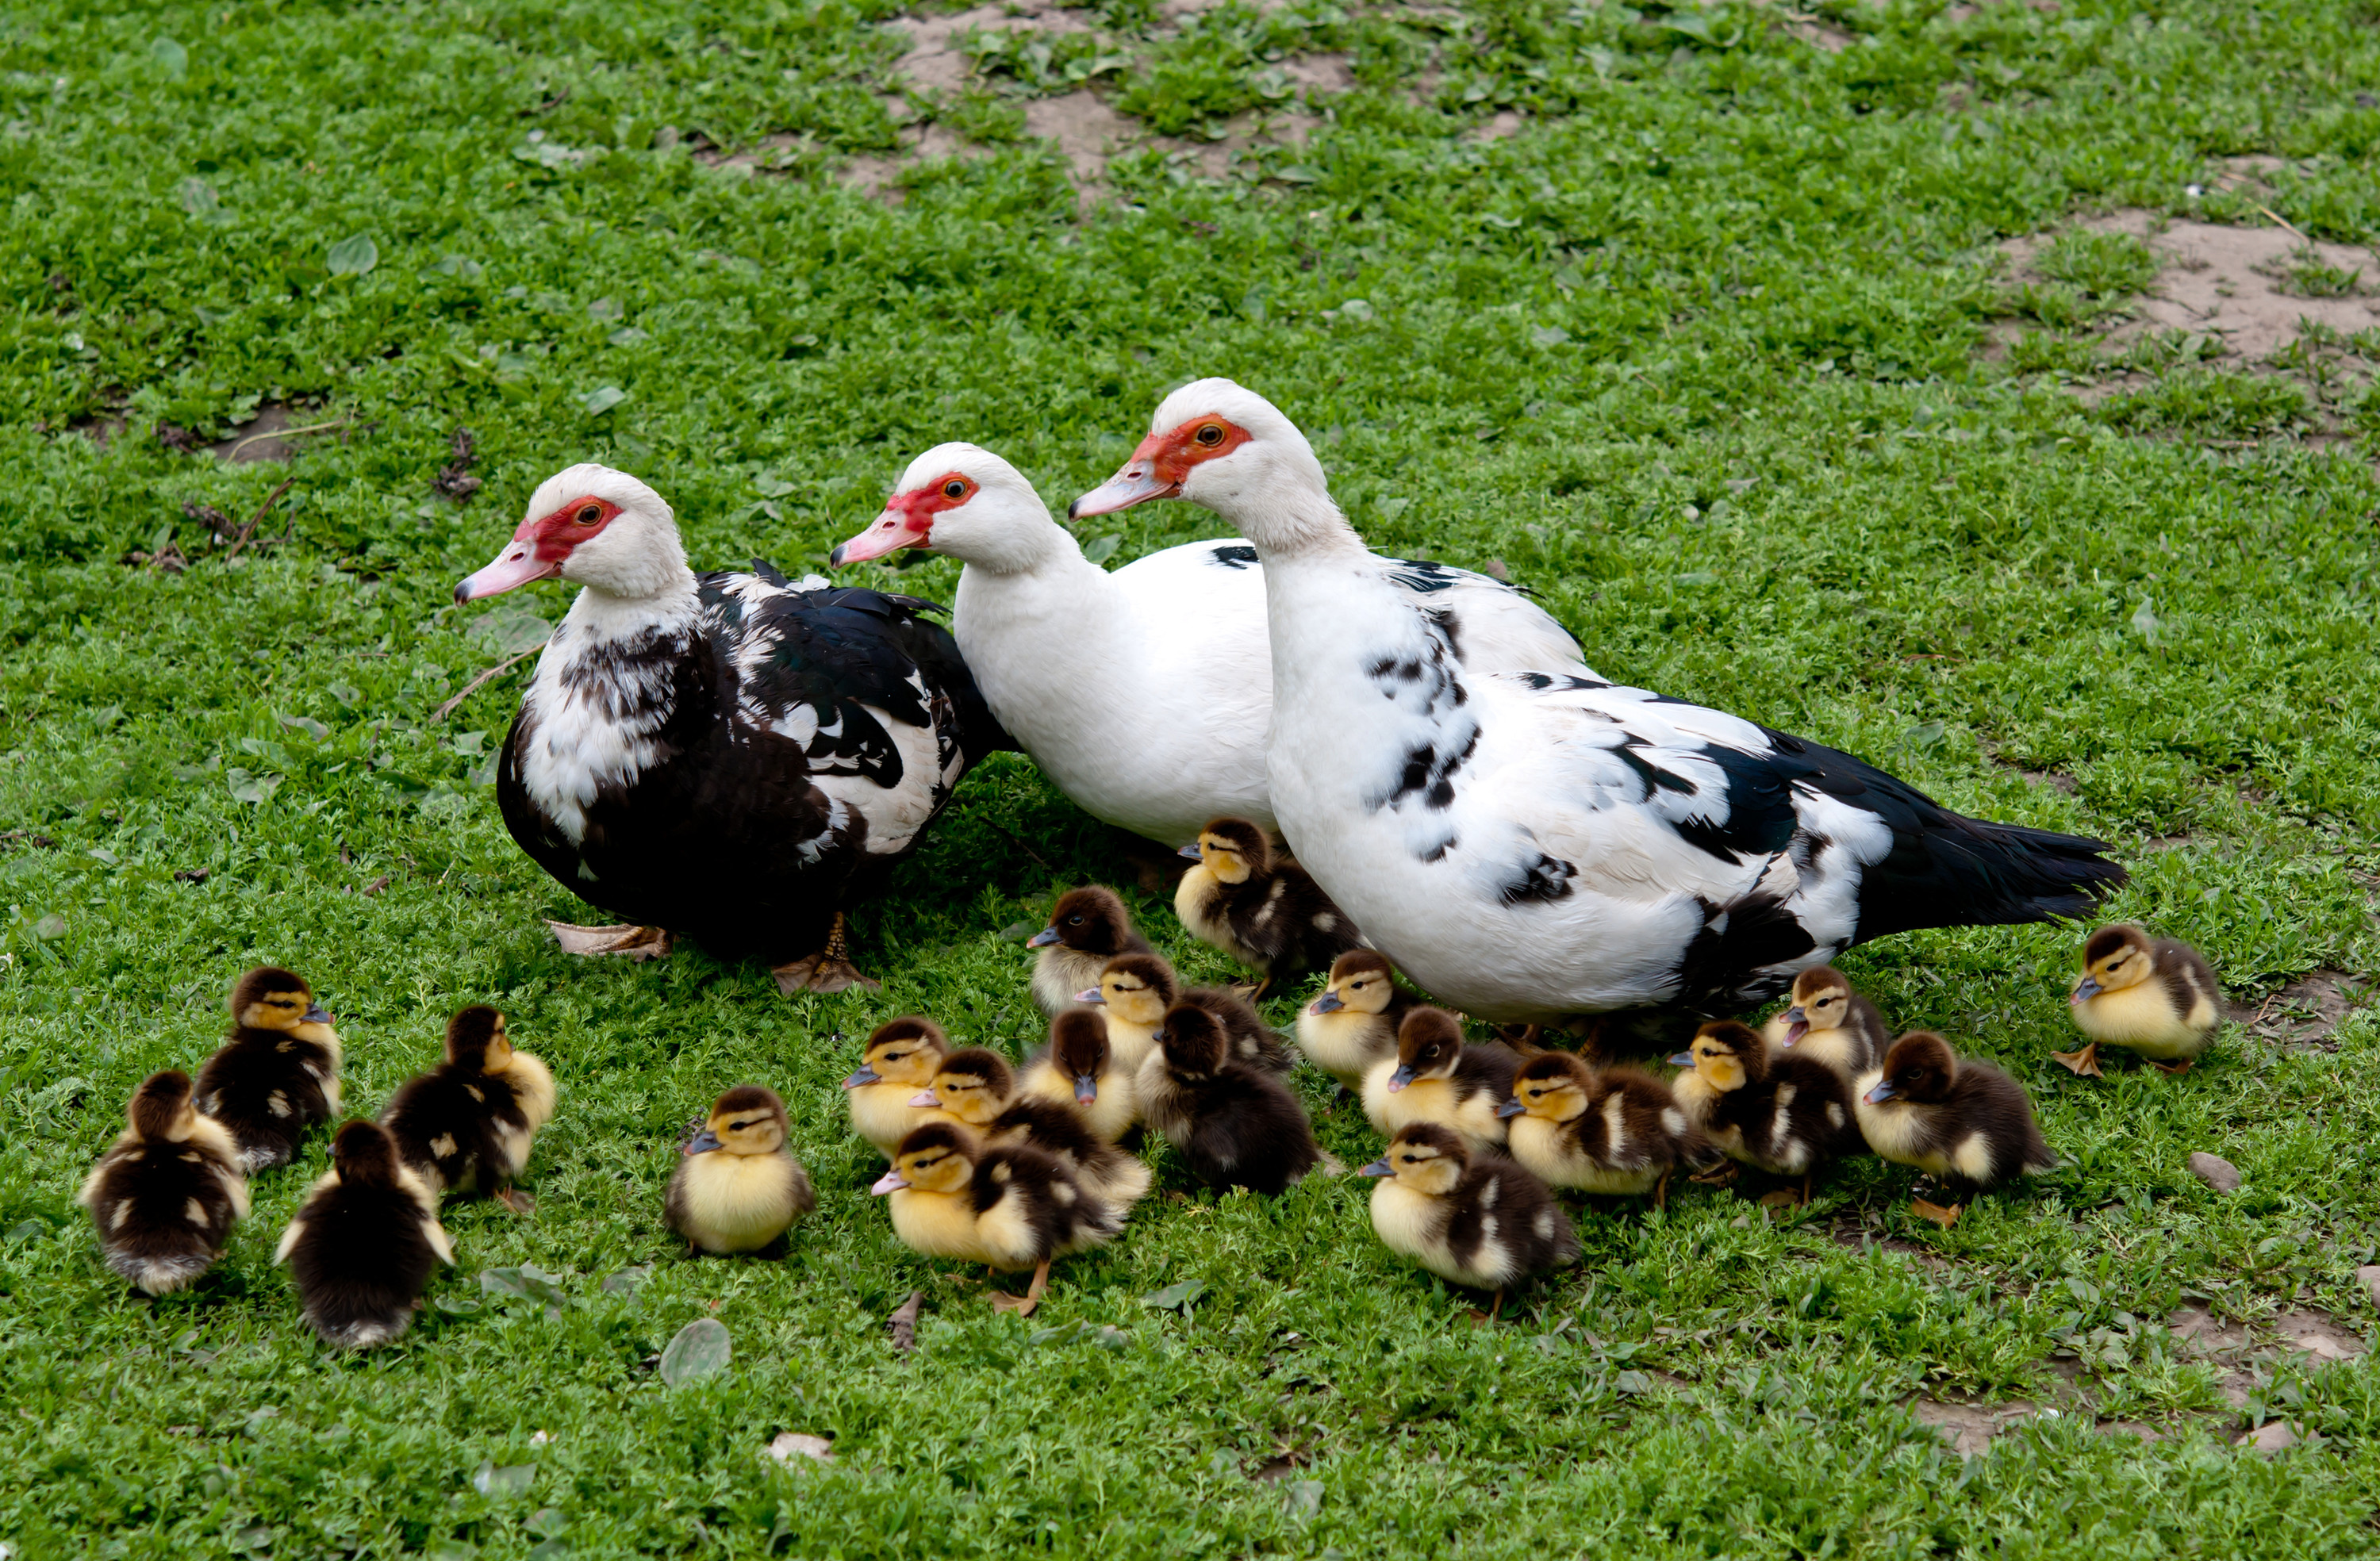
x=2273 y=1436
x=2369 y=1277
x=2215 y=1171
x=792 y=1444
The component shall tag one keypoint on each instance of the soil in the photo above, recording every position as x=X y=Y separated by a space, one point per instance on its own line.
x=246 y=445
x=2302 y=1016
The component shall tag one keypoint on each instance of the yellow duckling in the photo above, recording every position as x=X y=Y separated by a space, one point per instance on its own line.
x=1087 y=928
x=974 y=1086
x=1136 y=990
x=278 y=1073
x=1613 y=1132
x=467 y=1124
x=1967 y=1123
x=1434 y=1078
x=1477 y=1220
x=1352 y=1025
x=2153 y=995
x=1780 y=1112
x=1012 y=1208
x=1829 y=1021
x=736 y=1188
x=1078 y=1067
x=1266 y=912
x=168 y=1191
x=901 y=1057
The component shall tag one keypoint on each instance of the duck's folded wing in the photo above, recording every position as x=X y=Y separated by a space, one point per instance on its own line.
x=1495 y=627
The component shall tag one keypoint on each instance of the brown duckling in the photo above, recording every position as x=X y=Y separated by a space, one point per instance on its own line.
x=278 y=1074
x=1136 y=990
x=1087 y=928
x=1013 y=1207
x=1968 y=1123
x=1236 y=1125
x=168 y=1191
x=1615 y=1131
x=2153 y=995
x=1829 y=1021
x=1352 y=1025
x=736 y=1187
x=1473 y=1219
x=362 y=1249
x=901 y=1057
x=1267 y=913
x=1782 y=1113
x=1434 y=1078
x=467 y=1124
x=1079 y=1068
x=975 y=1086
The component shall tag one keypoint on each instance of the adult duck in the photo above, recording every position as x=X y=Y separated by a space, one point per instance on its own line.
x=1144 y=692
x=730 y=757
x=1535 y=842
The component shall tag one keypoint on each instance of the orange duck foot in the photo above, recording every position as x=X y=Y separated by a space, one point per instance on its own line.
x=2180 y=1066
x=624 y=938
x=829 y=970
x=2084 y=1063
x=1941 y=1215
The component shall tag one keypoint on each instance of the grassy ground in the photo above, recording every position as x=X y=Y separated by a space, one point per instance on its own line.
x=1698 y=354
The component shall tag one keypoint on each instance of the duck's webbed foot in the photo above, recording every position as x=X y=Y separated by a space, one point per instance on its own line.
x=624 y=938
x=829 y=970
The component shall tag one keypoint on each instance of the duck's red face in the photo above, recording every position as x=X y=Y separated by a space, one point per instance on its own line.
x=1158 y=468
x=907 y=520
x=539 y=548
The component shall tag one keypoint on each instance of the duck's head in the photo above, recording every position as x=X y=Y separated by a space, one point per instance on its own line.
x=966 y=502
x=1361 y=981
x=365 y=1154
x=1078 y=1049
x=1425 y=1156
x=1921 y=1067
x=1225 y=447
x=1728 y=1055
x=1552 y=1084
x=268 y=998
x=476 y=1041
x=1193 y=1041
x=937 y=1158
x=1090 y=920
x=592 y=526
x=973 y=1085
x=1136 y=988
x=1822 y=1000
x=1430 y=1042
x=161 y=1107
x=905 y=1051
x=747 y=1119
x=1231 y=849
x=2116 y=957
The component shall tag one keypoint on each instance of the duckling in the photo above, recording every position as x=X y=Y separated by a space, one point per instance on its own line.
x=467 y=1124
x=1136 y=990
x=1616 y=1130
x=1087 y=928
x=1434 y=1078
x=1968 y=1123
x=2153 y=995
x=1831 y=1022
x=1471 y=1218
x=168 y=1191
x=1782 y=1113
x=975 y=1086
x=901 y=1057
x=363 y=1247
x=1352 y=1025
x=1012 y=1207
x=1236 y=1125
x=278 y=1074
x=1269 y=914
x=736 y=1189
x=1079 y=1068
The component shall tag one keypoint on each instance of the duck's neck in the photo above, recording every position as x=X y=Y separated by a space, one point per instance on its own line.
x=599 y=620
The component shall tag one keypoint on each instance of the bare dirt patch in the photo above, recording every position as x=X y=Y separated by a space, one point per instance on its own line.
x=1969 y=1428
x=259 y=440
x=2303 y=1014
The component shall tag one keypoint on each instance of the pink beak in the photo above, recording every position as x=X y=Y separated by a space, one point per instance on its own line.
x=891 y=1181
x=516 y=565
x=1135 y=482
x=892 y=530
x=925 y=1098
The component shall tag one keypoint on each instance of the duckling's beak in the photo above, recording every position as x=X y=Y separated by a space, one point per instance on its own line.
x=863 y=1075
x=1377 y=1168
x=1512 y=1108
x=1043 y=939
x=702 y=1143
x=2086 y=989
x=1192 y=851
x=1880 y=1094
x=1087 y=1089
x=1090 y=997
x=1399 y=1080
x=891 y=1181
x=925 y=1098
x=1797 y=1024
x=1327 y=1003
x=317 y=1014
x=1683 y=1060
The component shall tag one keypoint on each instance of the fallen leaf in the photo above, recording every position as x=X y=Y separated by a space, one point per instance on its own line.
x=493 y=1479
x=701 y=1348
x=354 y=256
x=1945 y=1217
x=788 y=1443
x=904 y=1322
x=1183 y=1295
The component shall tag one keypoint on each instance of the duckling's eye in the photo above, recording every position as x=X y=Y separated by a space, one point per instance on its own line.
x=1209 y=435
x=588 y=515
x=1074 y=920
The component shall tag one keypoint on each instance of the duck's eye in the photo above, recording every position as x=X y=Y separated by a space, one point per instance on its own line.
x=588 y=515
x=954 y=488
x=1074 y=920
x=1209 y=434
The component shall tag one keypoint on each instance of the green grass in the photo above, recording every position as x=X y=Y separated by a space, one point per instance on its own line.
x=1695 y=355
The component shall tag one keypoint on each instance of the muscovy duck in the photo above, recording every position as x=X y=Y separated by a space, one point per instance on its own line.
x=1534 y=843
x=1143 y=693
x=731 y=757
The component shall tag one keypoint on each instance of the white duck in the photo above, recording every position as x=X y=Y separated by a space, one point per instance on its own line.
x=1534 y=843
x=1143 y=693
